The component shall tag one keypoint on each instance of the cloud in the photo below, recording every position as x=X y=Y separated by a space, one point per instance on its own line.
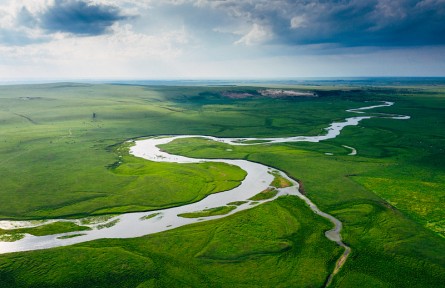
x=17 y=27
x=257 y=34
x=26 y=18
x=80 y=18
x=297 y=22
x=350 y=23
x=183 y=35
x=32 y=22
x=107 y=53
x=19 y=38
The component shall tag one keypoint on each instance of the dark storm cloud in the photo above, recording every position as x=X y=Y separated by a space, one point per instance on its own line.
x=346 y=23
x=374 y=23
x=80 y=18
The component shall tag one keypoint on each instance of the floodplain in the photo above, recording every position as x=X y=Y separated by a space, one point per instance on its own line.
x=64 y=154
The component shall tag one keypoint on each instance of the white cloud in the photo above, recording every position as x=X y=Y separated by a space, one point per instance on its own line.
x=113 y=53
x=297 y=22
x=257 y=34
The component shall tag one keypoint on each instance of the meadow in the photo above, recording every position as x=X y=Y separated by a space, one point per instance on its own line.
x=64 y=155
x=60 y=161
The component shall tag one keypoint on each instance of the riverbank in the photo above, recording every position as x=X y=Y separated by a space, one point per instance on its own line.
x=259 y=178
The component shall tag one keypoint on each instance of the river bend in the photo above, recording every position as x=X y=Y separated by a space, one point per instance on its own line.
x=138 y=224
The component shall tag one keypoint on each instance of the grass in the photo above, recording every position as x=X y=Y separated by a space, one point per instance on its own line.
x=223 y=210
x=372 y=228
x=149 y=216
x=108 y=224
x=181 y=184
x=50 y=166
x=47 y=229
x=240 y=250
x=237 y=203
x=11 y=237
x=264 y=195
x=386 y=240
x=280 y=182
x=70 y=236
x=95 y=219
x=423 y=201
x=388 y=196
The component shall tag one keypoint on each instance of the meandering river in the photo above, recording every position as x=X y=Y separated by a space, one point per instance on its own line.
x=259 y=178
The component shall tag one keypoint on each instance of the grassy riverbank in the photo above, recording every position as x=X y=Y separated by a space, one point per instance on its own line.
x=60 y=159
x=389 y=197
x=282 y=239
x=401 y=237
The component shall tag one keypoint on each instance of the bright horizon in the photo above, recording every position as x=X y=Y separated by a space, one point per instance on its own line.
x=359 y=80
x=51 y=40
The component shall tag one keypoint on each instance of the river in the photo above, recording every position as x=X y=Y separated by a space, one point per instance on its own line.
x=258 y=178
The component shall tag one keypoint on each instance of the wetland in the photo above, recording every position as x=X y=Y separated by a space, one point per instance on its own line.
x=392 y=151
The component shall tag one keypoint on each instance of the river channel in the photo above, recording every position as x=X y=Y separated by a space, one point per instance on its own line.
x=259 y=178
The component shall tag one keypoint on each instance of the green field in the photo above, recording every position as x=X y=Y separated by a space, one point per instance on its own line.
x=59 y=161
x=48 y=229
x=63 y=154
x=209 y=212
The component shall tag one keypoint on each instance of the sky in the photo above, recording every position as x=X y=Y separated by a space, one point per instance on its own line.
x=220 y=39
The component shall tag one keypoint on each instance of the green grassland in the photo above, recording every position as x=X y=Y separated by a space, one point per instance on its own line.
x=389 y=197
x=209 y=212
x=48 y=229
x=266 y=194
x=243 y=250
x=392 y=227
x=280 y=182
x=59 y=161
